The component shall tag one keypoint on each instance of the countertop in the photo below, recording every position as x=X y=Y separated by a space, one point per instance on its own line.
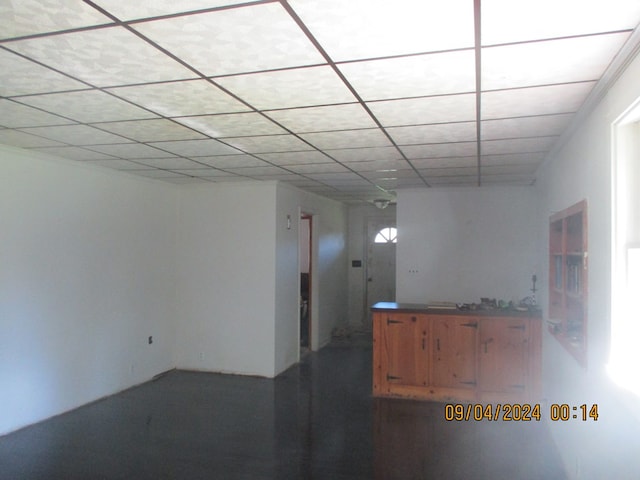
x=425 y=308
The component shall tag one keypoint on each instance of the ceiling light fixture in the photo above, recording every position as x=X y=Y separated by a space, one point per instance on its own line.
x=381 y=203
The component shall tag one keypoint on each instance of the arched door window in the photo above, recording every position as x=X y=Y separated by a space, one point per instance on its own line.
x=387 y=235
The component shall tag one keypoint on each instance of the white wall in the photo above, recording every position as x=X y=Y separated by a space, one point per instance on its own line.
x=95 y=261
x=86 y=275
x=461 y=244
x=328 y=276
x=582 y=170
x=238 y=276
x=226 y=278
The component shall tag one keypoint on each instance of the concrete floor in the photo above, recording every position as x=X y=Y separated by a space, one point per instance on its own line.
x=315 y=421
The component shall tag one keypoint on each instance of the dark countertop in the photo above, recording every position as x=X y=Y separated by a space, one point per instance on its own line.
x=424 y=308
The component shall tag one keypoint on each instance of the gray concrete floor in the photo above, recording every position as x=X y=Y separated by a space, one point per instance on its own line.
x=315 y=421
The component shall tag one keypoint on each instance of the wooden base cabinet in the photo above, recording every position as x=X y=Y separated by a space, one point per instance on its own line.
x=405 y=346
x=454 y=356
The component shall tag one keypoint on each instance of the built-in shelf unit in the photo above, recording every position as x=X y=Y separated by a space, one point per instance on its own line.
x=568 y=275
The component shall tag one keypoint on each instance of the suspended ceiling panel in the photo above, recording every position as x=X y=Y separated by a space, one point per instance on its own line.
x=348 y=99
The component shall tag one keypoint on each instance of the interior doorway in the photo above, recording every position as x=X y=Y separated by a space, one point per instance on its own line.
x=381 y=264
x=305 y=261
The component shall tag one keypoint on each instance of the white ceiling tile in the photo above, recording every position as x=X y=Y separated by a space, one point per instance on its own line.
x=116 y=164
x=268 y=144
x=517 y=145
x=347 y=139
x=330 y=178
x=432 y=173
x=453 y=162
x=458 y=181
x=130 y=151
x=295 y=158
x=421 y=75
x=230 y=179
x=188 y=97
x=439 y=133
x=19 y=76
x=416 y=111
x=76 y=135
x=365 y=154
x=136 y=10
x=196 y=148
x=411 y=80
x=320 y=119
x=25 y=140
x=332 y=167
x=15 y=115
x=359 y=186
x=461 y=149
x=155 y=130
x=28 y=17
x=257 y=171
x=232 y=125
x=534 y=158
x=525 y=126
x=87 y=106
x=155 y=173
x=105 y=57
x=534 y=100
x=75 y=153
x=552 y=19
x=378 y=165
x=224 y=42
x=509 y=179
x=175 y=163
x=508 y=169
x=545 y=63
x=206 y=172
x=282 y=177
x=289 y=88
x=378 y=175
x=232 y=161
x=375 y=28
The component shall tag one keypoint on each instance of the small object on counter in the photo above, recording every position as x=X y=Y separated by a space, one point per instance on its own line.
x=487 y=303
x=442 y=305
x=527 y=303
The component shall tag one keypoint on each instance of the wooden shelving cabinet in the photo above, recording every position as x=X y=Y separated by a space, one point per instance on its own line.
x=431 y=354
x=568 y=277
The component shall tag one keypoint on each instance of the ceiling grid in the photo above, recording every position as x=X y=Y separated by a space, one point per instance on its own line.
x=350 y=100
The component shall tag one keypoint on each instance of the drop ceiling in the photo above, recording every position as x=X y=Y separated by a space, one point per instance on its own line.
x=352 y=100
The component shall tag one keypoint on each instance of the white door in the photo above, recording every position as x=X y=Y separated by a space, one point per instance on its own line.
x=381 y=264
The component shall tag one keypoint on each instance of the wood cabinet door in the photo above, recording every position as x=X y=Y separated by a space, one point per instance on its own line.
x=504 y=355
x=454 y=343
x=404 y=350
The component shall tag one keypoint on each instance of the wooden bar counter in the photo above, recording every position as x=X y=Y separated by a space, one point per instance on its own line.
x=454 y=355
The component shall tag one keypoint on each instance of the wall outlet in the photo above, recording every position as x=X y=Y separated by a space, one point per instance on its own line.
x=150 y=339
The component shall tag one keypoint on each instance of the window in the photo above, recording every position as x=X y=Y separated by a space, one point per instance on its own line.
x=625 y=276
x=387 y=235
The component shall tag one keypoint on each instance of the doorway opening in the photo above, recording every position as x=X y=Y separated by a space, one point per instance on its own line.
x=381 y=264
x=305 y=255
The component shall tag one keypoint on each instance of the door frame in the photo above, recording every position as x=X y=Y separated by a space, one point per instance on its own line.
x=305 y=216
x=392 y=221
